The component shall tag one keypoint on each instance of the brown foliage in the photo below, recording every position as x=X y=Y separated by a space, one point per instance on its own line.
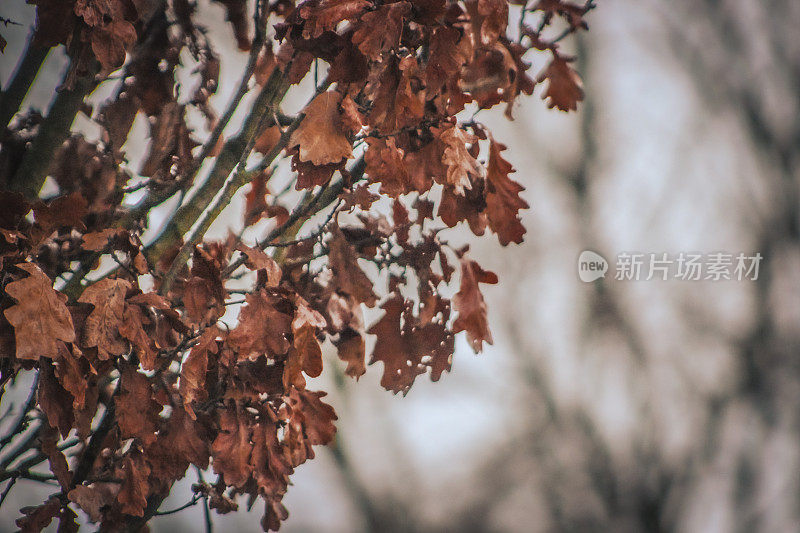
x=148 y=355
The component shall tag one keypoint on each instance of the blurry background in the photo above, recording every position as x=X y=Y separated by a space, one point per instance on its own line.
x=613 y=406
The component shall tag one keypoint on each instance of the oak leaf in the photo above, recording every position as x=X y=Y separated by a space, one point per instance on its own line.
x=384 y=165
x=360 y=197
x=72 y=370
x=36 y=518
x=90 y=499
x=133 y=329
x=193 y=370
x=352 y=349
x=55 y=21
x=311 y=416
x=310 y=175
x=396 y=92
x=321 y=136
x=521 y=82
x=231 y=448
x=101 y=328
x=117 y=118
x=489 y=19
x=565 y=88
x=48 y=437
x=110 y=42
x=262 y=329
x=63 y=212
x=204 y=296
x=256 y=259
x=326 y=15
x=471 y=306
x=137 y=411
x=96 y=241
x=349 y=65
x=270 y=459
x=274 y=513
x=267 y=140
x=40 y=317
x=401 y=366
x=255 y=202
x=348 y=276
x=461 y=165
x=573 y=13
x=447 y=55
x=181 y=442
x=381 y=29
x=468 y=207
x=306 y=355
x=352 y=119
x=170 y=148
x=135 y=486
x=408 y=346
x=502 y=197
x=425 y=165
x=54 y=401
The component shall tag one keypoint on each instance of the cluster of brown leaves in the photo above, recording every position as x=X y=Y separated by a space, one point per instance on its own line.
x=139 y=367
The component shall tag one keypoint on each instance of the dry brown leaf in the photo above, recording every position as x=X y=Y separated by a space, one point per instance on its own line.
x=321 y=135
x=40 y=317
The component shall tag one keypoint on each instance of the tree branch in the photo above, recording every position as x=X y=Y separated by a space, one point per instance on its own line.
x=185 y=217
x=150 y=202
x=55 y=129
x=239 y=179
x=24 y=75
x=94 y=447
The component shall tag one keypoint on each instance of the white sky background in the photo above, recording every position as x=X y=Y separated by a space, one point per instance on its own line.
x=652 y=190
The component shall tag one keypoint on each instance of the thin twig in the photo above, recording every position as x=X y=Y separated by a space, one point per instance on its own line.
x=317 y=233
x=122 y=265
x=25 y=473
x=206 y=509
x=588 y=6
x=21 y=423
x=133 y=188
x=521 y=25
x=8 y=488
x=196 y=498
x=326 y=196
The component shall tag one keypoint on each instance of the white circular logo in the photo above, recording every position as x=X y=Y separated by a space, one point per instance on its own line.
x=591 y=266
